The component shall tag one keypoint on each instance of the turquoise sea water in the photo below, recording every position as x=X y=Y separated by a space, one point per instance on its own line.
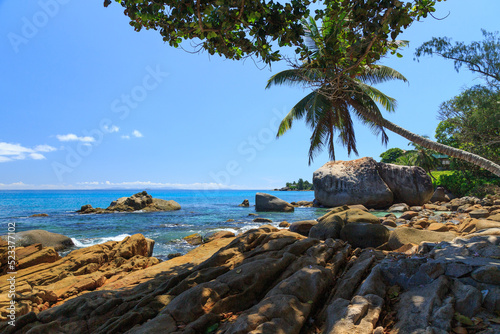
x=202 y=212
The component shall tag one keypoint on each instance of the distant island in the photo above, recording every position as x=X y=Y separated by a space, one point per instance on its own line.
x=297 y=185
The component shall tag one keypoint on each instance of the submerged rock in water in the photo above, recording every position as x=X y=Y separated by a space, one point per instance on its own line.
x=266 y=202
x=138 y=202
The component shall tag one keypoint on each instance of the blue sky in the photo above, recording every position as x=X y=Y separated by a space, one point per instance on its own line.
x=86 y=102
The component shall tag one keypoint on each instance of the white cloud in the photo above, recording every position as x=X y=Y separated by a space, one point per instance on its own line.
x=45 y=148
x=125 y=137
x=111 y=129
x=9 y=152
x=137 y=134
x=73 y=137
x=37 y=156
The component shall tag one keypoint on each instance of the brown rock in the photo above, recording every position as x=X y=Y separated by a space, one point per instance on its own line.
x=194 y=239
x=408 y=215
x=479 y=213
x=40 y=215
x=402 y=236
x=218 y=235
x=438 y=227
x=302 y=227
x=46 y=255
x=284 y=224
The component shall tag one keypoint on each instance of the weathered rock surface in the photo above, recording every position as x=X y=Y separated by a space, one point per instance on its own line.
x=365 y=235
x=276 y=281
x=266 y=202
x=330 y=224
x=138 y=202
x=43 y=278
x=404 y=235
x=46 y=238
x=303 y=227
x=439 y=195
x=374 y=185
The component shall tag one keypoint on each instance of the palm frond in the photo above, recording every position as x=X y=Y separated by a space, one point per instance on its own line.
x=296 y=112
x=376 y=95
x=379 y=73
x=295 y=77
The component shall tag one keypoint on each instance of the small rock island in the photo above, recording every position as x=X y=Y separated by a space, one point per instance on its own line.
x=138 y=202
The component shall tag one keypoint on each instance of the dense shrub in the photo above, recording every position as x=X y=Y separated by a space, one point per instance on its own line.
x=464 y=183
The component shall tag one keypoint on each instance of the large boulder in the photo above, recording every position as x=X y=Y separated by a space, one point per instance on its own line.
x=138 y=202
x=374 y=185
x=409 y=184
x=303 y=227
x=266 y=202
x=351 y=182
x=46 y=238
x=332 y=222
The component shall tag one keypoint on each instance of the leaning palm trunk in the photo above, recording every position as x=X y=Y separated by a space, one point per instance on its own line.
x=432 y=145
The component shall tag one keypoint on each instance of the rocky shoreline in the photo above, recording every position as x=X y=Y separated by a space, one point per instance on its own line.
x=427 y=271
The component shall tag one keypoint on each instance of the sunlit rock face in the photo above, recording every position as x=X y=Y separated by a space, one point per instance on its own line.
x=375 y=185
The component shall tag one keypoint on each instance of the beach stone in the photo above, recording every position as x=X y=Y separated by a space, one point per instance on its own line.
x=40 y=215
x=302 y=227
x=138 y=202
x=495 y=217
x=284 y=224
x=172 y=255
x=266 y=202
x=348 y=215
x=329 y=227
x=408 y=215
x=194 y=239
x=390 y=223
x=438 y=227
x=488 y=274
x=399 y=207
x=439 y=196
x=404 y=235
x=351 y=182
x=480 y=213
x=416 y=208
x=262 y=220
x=47 y=239
x=365 y=235
x=245 y=203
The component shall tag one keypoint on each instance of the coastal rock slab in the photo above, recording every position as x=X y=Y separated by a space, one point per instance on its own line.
x=266 y=202
x=403 y=235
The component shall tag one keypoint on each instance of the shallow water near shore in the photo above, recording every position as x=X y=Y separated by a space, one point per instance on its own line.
x=202 y=212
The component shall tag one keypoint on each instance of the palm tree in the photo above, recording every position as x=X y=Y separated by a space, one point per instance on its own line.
x=424 y=158
x=336 y=94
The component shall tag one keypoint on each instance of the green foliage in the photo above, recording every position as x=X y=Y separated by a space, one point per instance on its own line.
x=235 y=29
x=467 y=183
x=471 y=121
x=479 y=57
x=300 y=185
x=391 y=155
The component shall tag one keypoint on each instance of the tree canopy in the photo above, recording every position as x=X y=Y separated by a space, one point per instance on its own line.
x=391 y=155
x=480 y=57
x=239 y=28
